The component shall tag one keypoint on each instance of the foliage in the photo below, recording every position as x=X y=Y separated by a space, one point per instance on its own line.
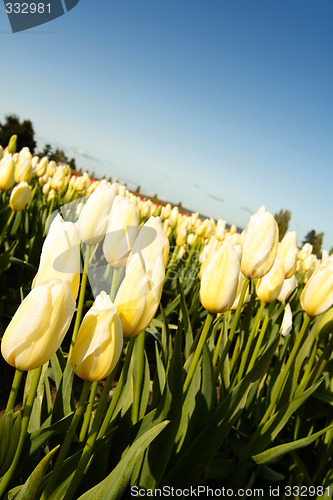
x=283 y=218
x=24 y=131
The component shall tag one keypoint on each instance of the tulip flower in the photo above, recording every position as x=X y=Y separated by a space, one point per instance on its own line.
x=51 y=168
x=241 y=281
x=60 y=257
x=288 y=286
x=122 y=230
x=260 y=241
x=23 y=170
x=151 y=241
x=317 y=295
x=287 y=321
x=269 y=286
x=6 y=172
x=39 y=325
x=140 y=293
x=20 y=196
x=93 y=219
x=220 y=229
x=220 y=279
x=287 y=252
x=59 y=178
x=41 y=166
x=99 y=342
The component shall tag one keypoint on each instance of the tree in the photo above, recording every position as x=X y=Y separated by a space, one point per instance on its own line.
x=282 y=219
x=315 y=240
x=58 y=156
x=24 y=131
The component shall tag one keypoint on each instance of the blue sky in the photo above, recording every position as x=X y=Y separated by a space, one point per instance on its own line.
x=223 y=105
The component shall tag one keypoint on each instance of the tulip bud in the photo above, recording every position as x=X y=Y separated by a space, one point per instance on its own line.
x=11 y=148
x=287 y=321
x=287 y=252
x=60 y=257
x=140 y=293
x=260 y=241
x=269 y=286
x=20 y=196
x=317 y=295
x=99 y=342
x=59 y=178
x=220 y=229
x=51 y=168
x=7 y=172
x=288 y=286
x=39 y=325
x=123 y=228
x=93 y=219
x=23 y=170
x=220 y=279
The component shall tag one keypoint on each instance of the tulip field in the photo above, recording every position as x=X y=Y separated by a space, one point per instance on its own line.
x=147 y=353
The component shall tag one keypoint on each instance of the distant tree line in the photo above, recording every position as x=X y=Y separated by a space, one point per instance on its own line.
x=26 y=138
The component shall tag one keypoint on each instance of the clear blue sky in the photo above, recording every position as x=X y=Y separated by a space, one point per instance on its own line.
x=224 y=105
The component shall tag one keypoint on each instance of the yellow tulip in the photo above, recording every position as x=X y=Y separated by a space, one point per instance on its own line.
x=269 y=286
x=59 y=178
x=260 y=241
x=220 y=279
x=60 y=257
x=220 y=229
x=287 y=321
x=122 y=230
x=241 y=281
x=41 y=166
x=99 y=342
x=288 y=286
x=140 y=293
x=20 y=196
x=6 y=172
x=317 y=295
x=151 y=241
x=23 y=170
x=287 y=252
x=93 y=219
x=39 y=325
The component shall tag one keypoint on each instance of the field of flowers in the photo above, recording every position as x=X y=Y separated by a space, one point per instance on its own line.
x=145 y=349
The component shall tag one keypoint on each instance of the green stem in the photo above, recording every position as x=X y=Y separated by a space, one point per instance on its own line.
x=10 y=218
x=88 y=412
x=258 y=344
x=14 y=390
x=171 y=261
x=47 y=224
x=81 y=301
x=305 y=378
x=280 y=384
x=117 y=276
x=66 y=444
x=198 y=351
x=89 y=446
x=118 y=389
x=6 y=479
x=140 y=340
x=233 y=328
x=218 y=343
x=250 y=341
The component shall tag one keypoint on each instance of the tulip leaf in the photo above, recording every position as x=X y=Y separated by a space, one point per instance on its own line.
x=186 y=321
x=114 y=485
x=29 y=490
x=217 y=427
x=156 y=458
x=37 y=439
x=274 y=425
x=13 y=442
x=6 y=423
x=64 y=402
x=274 y=454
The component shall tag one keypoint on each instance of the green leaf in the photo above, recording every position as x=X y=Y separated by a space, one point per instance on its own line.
x=29 y=490
x=114 y=485
x=157 y=456
x=274 y=454
x=14 y=439
x=274 y=425
x=217 y=427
